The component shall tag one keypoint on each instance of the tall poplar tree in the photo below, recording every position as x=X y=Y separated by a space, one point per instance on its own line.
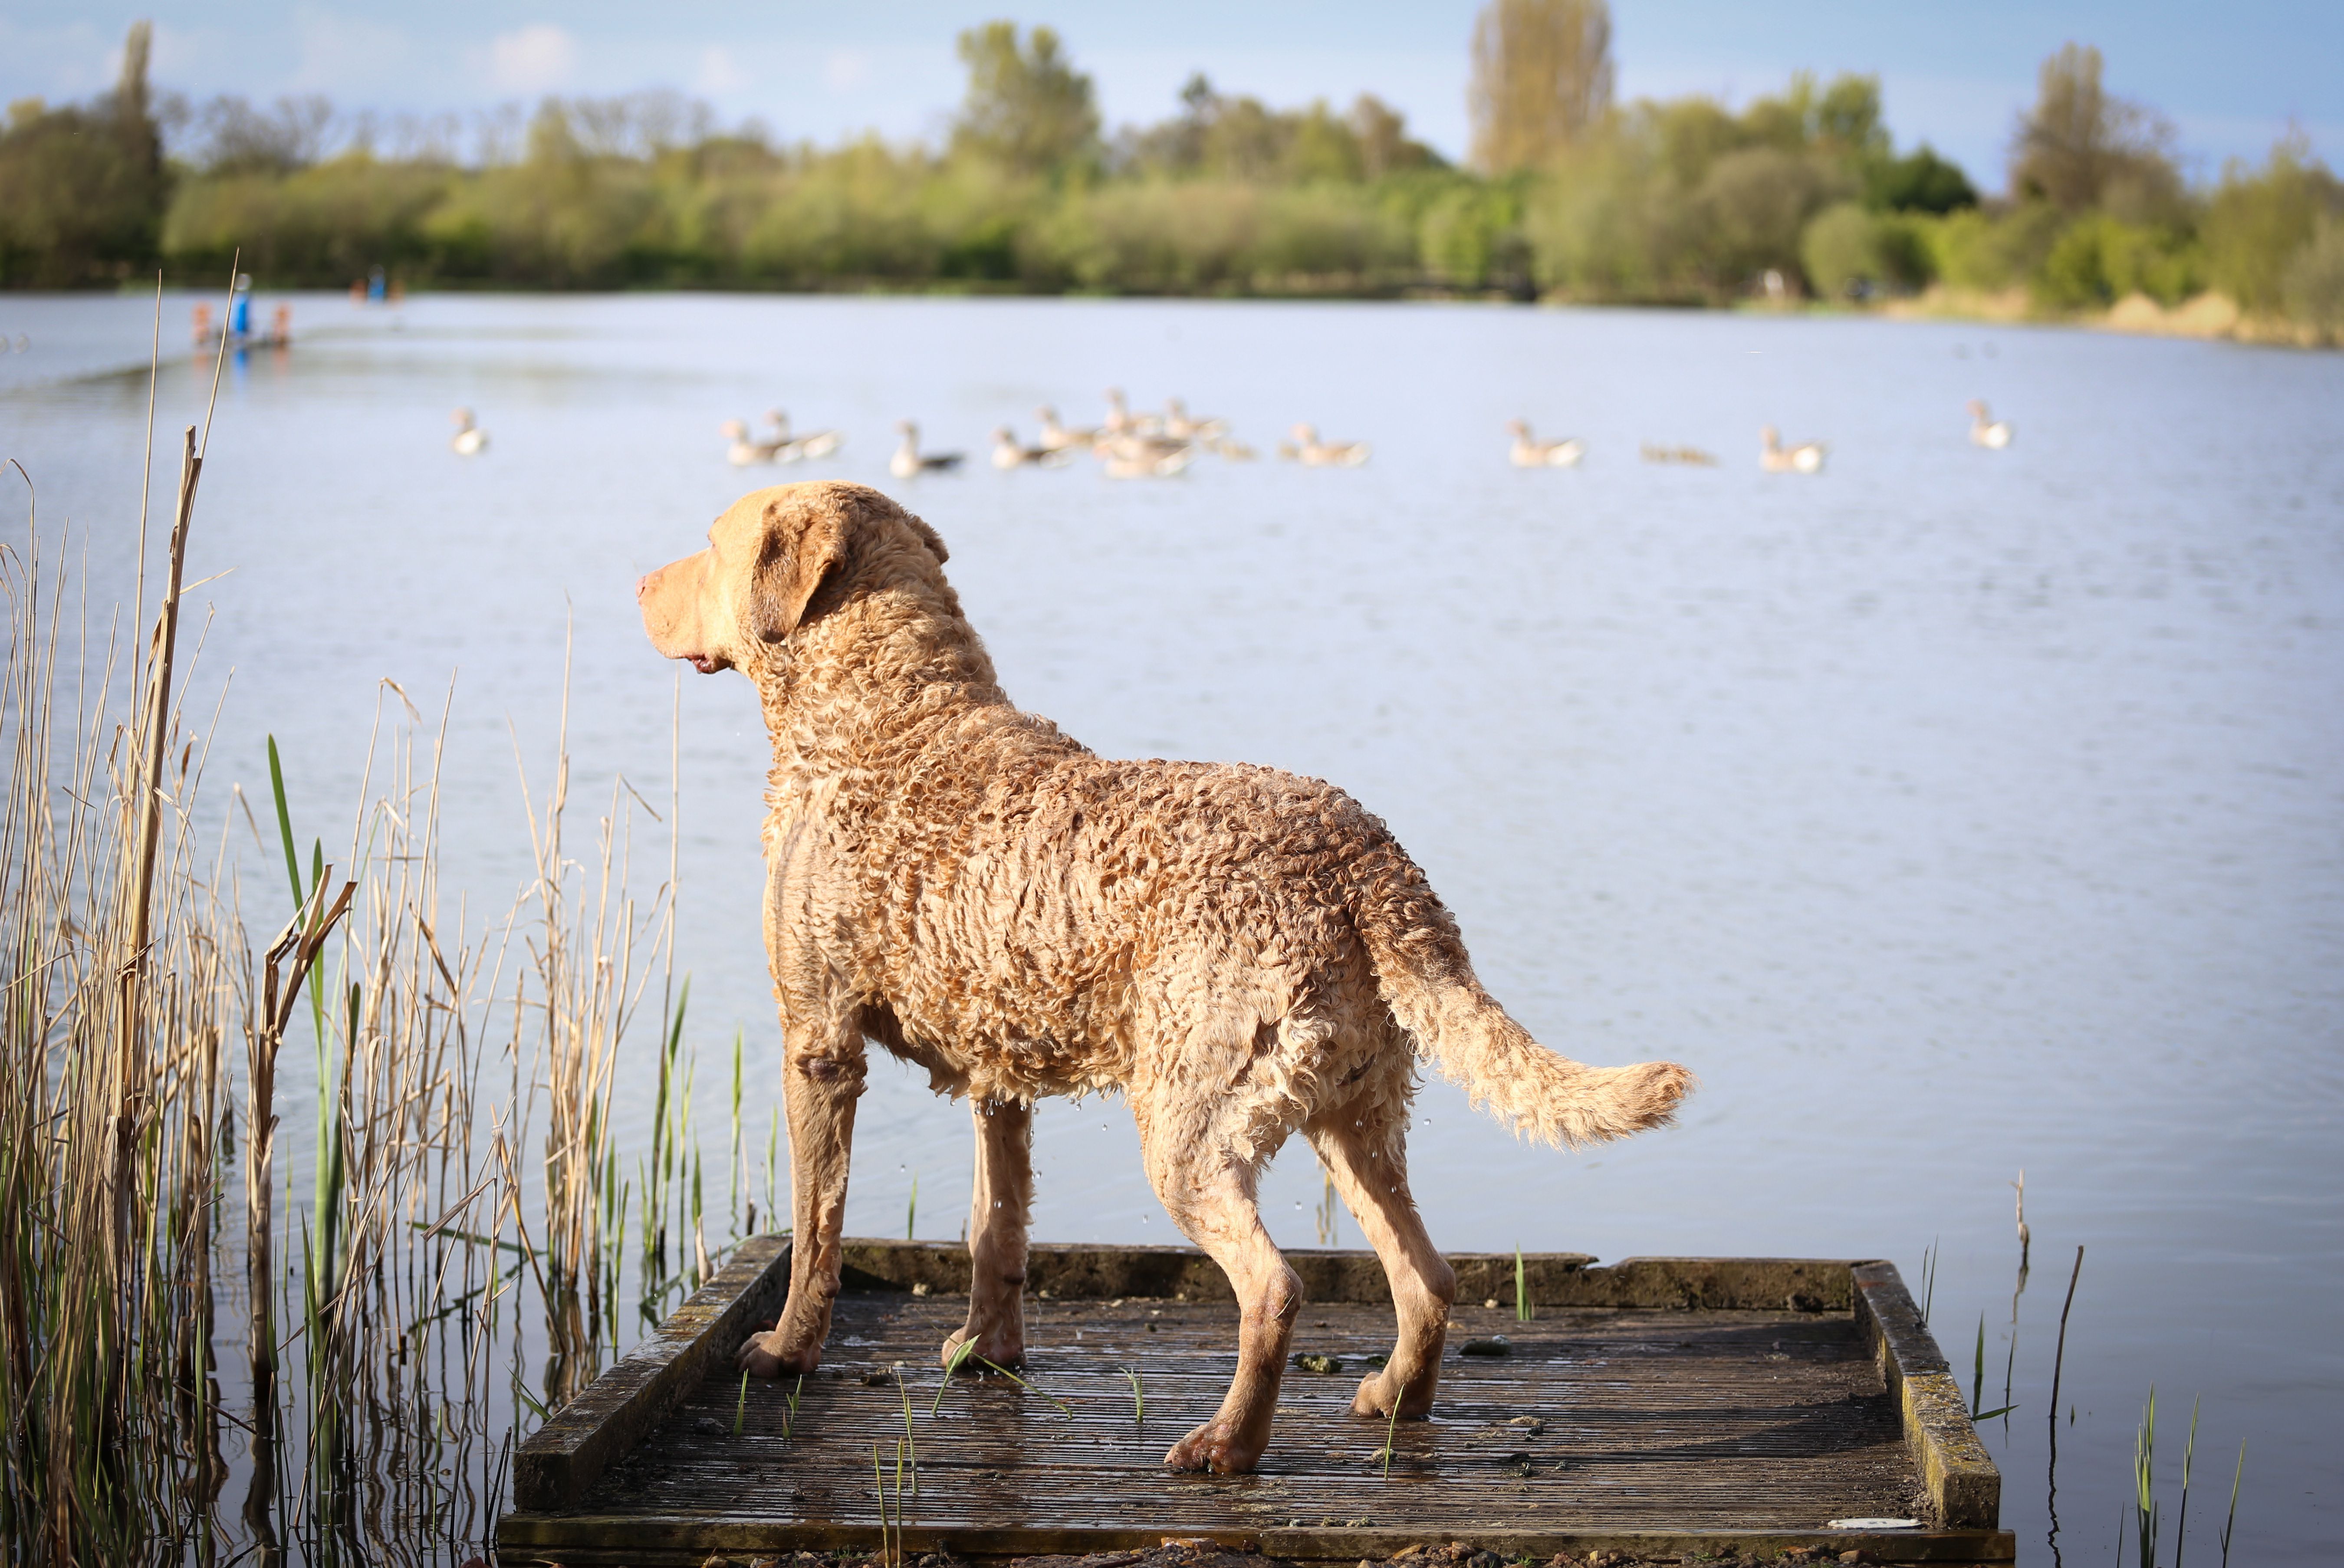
x=1542 y=77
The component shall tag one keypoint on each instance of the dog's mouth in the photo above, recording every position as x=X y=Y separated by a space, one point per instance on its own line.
x=706 y=664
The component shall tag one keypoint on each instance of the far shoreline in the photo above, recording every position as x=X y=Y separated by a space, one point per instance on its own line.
x=2209 y=315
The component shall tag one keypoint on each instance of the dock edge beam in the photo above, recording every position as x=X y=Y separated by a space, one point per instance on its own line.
x=1963 y=1484
x=558 y=1463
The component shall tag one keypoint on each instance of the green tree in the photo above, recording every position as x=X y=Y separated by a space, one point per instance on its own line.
x=2258 y=220
x=2079 y=148
x=1920 y=181
x=1027 y=107
x=1542 y=78
x=82 y=188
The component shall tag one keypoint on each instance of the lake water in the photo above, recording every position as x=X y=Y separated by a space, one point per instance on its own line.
x=1950 y=814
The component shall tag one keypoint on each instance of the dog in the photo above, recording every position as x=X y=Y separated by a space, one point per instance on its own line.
x=1240 y=953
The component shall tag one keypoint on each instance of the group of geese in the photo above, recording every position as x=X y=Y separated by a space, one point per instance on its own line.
x=1126 y=445
x=1156 y=446
x=775 y=444
x=1773 y=457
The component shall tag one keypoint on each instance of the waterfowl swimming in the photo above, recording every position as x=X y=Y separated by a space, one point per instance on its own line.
x=1773 y=457
x=1311 y=452
x=789 y=449
x=742 y=451
x=1009 y=453
x=1144 y=457
x=1996 y=435
x=1122 y=421
x=1531 y=454
x=1059 y=438
x=909 y=461
x=469 y=439
x=1180 y=427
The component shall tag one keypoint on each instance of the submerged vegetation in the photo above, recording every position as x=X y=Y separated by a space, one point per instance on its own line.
x=1799 y=194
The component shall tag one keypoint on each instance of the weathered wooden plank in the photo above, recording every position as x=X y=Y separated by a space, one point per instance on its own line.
x=584 y=1539
x=555 y=1465
x=1339 y=1274
x=1667 y=1405
x=1963 y=1484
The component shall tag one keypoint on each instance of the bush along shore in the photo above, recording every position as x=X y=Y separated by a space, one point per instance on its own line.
x=1798 y=198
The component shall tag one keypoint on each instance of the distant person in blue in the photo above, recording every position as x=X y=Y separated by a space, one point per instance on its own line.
x=239 y=313
x=374 y=286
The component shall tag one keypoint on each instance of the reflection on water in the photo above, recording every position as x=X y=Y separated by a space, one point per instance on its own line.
x=1950 y=811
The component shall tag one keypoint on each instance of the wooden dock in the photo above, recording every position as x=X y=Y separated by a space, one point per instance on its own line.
x=1656 y=1408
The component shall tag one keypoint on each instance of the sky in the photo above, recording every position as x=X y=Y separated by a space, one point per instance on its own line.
x=2231 y=80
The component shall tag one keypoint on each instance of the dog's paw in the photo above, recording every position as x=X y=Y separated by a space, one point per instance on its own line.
x=1215 y=1447
x=1377 y=1391
x=1000 y=1347
x=770 y=1355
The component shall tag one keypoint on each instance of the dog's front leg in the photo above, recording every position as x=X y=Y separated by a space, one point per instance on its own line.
x=1000 y=1212
x=821 y=1083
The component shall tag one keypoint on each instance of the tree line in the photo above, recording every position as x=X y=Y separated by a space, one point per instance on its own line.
x=1568 y=193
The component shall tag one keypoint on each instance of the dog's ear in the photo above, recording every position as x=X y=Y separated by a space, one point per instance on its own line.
x=929 y=537
x=792 y=565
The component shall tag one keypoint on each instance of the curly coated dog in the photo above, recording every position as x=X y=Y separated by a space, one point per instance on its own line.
x=1238 y=952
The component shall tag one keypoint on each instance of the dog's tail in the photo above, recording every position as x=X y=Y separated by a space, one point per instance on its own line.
x=1428 y=982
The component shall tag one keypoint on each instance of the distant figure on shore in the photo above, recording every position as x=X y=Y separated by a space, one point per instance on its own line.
x=203 y=327
x=470 y=440
x=1773 y=457
x=280 y=325
x=1528 y=452
x=1306 y=448
x=909 y=461
x=1994 y=435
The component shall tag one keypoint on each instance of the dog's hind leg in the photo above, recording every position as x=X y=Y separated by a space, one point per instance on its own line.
x=821 y=1081
x=1207 y=1188
x=1000 y=1209
x=1363 y=1146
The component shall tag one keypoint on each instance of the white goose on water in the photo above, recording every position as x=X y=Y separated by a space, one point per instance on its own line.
x=740 y=451
x=1528 y=452
x=1144 y=457
x=1122 y=421
x=1182 y=427
x=1009 y=452
x=909 y=461
x=1059 y=438
x=1311 y=452
x=469 y=439
x=789 y=449
x=1984 y=431
x=1773 y=457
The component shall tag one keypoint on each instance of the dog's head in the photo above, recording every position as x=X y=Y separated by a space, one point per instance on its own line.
x=776 y=560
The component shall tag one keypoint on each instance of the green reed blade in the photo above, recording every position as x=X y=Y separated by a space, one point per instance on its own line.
x=961 y=1353
x=2235 y=1476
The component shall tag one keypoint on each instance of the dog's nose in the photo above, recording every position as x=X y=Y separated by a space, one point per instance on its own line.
x=642 y=585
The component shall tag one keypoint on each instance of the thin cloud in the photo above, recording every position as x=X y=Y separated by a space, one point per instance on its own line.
x=719 y=73
x=346 y=54
x=536 y=59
